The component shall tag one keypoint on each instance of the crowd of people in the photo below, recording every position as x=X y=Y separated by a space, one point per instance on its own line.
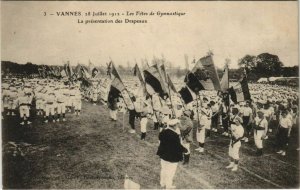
x=271 y=109
x=48 y=98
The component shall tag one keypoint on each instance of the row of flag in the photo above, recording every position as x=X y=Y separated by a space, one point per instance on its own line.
x=80 y=72
x=203 y=76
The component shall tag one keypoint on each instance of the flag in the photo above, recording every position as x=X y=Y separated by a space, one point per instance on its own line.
x=63 y=73
x=240 y=92
x=108 y=70
x=68 y=70
x=163 y=72
x=93 y=70
x=77 y=71
x=225 y=79
x=118 y=89
x=84 y=73
x=206 y=73
x=154 y=82
x=187 y=94
x=112 y=71
x=193 y=82
x=118 y=85
x=137 y=72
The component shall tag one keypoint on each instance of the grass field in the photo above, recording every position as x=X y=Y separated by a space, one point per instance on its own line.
x=90 y=151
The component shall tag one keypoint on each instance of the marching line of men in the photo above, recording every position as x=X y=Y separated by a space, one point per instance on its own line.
x=50 y=99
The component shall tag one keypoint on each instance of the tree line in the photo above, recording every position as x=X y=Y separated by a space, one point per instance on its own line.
x=263 y=65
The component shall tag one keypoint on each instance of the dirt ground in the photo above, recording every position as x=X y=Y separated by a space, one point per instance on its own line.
x=90 y=151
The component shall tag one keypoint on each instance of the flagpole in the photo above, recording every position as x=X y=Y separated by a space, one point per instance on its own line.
x=171 y=100
x=198 y=96
x=228 y=99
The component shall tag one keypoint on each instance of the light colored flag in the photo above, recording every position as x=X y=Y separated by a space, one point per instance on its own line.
x=225 y=79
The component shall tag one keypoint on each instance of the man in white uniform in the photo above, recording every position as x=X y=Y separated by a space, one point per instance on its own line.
x=237 y=133
x=260 y=131
x=24 y=103
x=205 y=123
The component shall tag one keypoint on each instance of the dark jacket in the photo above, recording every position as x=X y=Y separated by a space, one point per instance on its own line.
x=170 y=148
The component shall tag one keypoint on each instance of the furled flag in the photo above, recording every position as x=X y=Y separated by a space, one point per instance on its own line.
x=154 y=81
x=111 y=71
x=240 y=91
x=63 y=73
x=163 y=72
x=206 y=73
x=77 y=71
x=68 y=70
x=225 y=79
x=137 y=72
x=84 y=74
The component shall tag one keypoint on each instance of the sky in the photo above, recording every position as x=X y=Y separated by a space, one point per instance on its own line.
x=230 y=30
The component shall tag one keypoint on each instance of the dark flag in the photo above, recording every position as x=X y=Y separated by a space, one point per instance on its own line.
x=118 y=85
x=112 y=71
x=240 y=92
x=137 y=72
x=193 y=82
x=154 y=81
x=84 y=74
x=206 y=73
x=187 y=94
x=108 y=70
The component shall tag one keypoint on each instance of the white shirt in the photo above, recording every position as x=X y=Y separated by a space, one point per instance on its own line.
x=261 y=122
x=285 y=122
x=237 y=131
x=247 y=111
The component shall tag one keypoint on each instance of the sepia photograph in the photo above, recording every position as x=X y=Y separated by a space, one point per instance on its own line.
x=150 y=95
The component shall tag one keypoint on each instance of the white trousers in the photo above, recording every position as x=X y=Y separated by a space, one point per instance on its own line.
x=39 y=104
x=187 y=146
x=50 y=109
x=12 y=104
x=77 y=104
x=257 y=138
x=167 y=173
x=200 y=135
x=234 y=150
x=61 y=108
x=144 y=121
x=24 y=111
